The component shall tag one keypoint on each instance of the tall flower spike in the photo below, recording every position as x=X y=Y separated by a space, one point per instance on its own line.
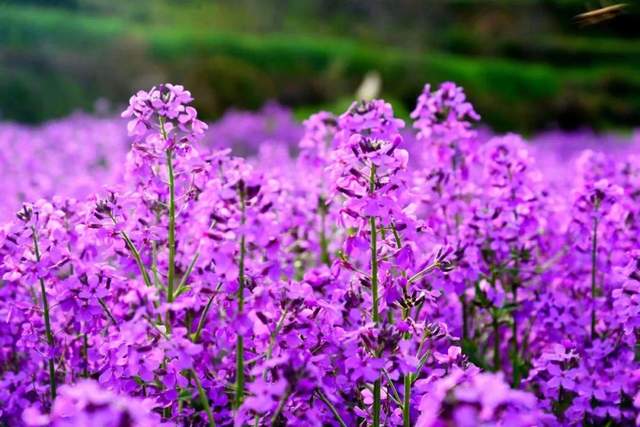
x=369 y=165
x=444 y=112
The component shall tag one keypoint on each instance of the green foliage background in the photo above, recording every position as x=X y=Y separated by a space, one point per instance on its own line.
x=525 y=64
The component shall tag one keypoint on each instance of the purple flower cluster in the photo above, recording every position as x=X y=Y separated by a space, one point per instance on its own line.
x=86 y=403
x=163 y=118
x=247 y=133
x=372 y=274
x=77 y=156
x=71 y=158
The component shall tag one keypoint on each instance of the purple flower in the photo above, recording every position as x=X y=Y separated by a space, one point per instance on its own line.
x=86 y=403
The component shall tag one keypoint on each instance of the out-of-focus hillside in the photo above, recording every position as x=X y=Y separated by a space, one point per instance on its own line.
x=526 y=64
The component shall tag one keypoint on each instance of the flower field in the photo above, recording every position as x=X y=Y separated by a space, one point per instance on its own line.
x=354 y=270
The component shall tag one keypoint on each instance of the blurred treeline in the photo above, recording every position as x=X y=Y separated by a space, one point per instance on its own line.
x=525 y=64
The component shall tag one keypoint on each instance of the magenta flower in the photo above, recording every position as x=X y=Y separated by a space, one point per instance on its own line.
x=86 y=403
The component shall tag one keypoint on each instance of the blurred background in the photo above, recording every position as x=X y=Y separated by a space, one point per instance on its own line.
x=526 y=65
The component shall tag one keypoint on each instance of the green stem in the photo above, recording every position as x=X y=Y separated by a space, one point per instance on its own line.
x=396 y=235
x=516 y=350
x=136 y=254
x=594 y=259
x=160 y=331
x=424 y=271
x=324 y=243
x=274 y=334
x=394 y=395
x=241 y=279
x=374 y=292
x=408 y=383
x=272 y=343
x=376 y=403
x=85 y=355
x=374 y=254
x=421 y=363
x=182 y=285
x=203 y=319
x=154 y=266
x=515 y=320
x=204 y=399
x=47 y=319
x=331 y=407
x=280 y=408
x=172 y=235
x=406 y=406
x=107 y=312
x=496 y=342
x=465 y=318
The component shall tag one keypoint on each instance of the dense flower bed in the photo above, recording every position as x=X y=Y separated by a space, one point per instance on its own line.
x=371 y=274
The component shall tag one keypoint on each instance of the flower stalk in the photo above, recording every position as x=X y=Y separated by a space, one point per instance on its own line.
x=331 y=407
x=408 y=383
x=374 y=292
x=47 y=319
x=324 y=243
x=239 y=386
x=172 y=228
x=171 y=271
x=204 y=399
x=594 y=267
x=496 y=341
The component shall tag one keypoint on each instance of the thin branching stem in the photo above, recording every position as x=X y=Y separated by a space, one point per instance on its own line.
x=204 y=400
x=182 y=286
x=136 y=254
x=331 y=407
x=107 y=311
x=395 y=396
x=424 y=271
x=280 y=408
x=203 y=319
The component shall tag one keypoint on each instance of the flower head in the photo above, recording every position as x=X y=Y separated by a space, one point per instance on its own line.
x=163 y=115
